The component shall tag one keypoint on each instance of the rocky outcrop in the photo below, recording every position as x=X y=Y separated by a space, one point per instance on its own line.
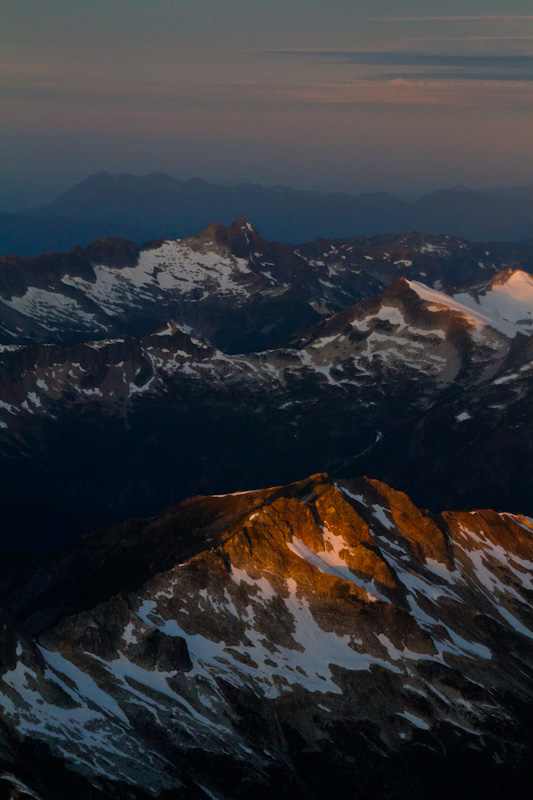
x=296 y=641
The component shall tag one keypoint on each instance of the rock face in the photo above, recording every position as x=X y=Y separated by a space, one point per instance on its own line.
x=313 y=640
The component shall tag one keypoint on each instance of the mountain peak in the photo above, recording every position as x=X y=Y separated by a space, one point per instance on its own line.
x=239 y=237
x=243 y=226
x=505 y=305
x=338 y=616
x=514 y=276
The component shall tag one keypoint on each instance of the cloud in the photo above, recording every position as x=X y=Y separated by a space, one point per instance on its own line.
x=458 y=18
x=112 y=103
x=443 y=66
x=456 y=75
x=474 y=38
x=413 y=91
x=405 y=58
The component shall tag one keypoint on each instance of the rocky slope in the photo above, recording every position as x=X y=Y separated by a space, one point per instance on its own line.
x=313 y=640
x=228 y=285
x=476 y=442
x=78 y=424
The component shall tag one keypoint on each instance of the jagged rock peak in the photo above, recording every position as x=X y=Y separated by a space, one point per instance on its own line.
x=240 y=229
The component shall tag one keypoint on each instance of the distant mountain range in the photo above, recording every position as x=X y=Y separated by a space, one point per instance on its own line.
x=147 y=207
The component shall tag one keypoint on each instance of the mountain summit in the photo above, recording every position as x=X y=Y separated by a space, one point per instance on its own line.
x=295 y=641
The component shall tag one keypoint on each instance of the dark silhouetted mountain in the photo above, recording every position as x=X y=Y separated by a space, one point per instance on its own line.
x=147 y=207
x=180 y=208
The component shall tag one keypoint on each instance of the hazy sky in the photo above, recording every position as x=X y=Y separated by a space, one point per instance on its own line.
x=346 y=95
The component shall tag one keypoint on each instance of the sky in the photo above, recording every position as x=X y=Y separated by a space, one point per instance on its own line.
x=341 y=96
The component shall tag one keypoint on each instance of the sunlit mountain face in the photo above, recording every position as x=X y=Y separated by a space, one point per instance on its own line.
x=170 y=627
x=292 y=640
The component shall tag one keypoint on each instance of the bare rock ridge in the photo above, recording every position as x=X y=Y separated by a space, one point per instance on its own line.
x=299 y=641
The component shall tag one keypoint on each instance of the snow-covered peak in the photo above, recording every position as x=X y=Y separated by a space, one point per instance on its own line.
x=512 y=276
x=507 y=301
x=506 y=305
x=170 y=266
x=513 y=283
